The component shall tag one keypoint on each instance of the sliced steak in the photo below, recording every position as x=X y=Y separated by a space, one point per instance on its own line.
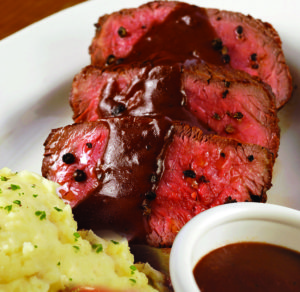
x=201 y=172
x=225 y=101
x=173 y=31
x=145 y=178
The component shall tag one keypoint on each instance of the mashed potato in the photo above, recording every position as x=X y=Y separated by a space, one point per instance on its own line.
x=41 y=250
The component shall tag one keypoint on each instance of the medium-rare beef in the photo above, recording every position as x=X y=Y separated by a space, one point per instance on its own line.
x=146 y=177
x=225 y=101
x=174 y=31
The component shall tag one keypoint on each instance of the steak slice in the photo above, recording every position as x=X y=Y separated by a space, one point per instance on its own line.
x=201 y=172
x=145 y=178
x=174 y=31
x=225 y=101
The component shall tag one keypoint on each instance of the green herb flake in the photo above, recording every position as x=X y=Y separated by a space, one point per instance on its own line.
x=41 y=214
x=21 y=194
x=33 y=186
x=133 y=269
x=35 y=246
x=57 y=209
x=35 y=195
x=8 y=208
x=97 y=247
x=114 y=242
x=14 y=187
x=132 y=280
x=17 y=202
x=77 y=248
x=4 y=178
x=58 y=263
x=0 y=191
x=76 y=235
x=70 y=279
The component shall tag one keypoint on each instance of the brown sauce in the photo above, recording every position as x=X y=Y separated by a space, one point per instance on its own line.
x=186 y=35
x=156 y=90
x=126 y=170
x=249 y=266
x=184 y=38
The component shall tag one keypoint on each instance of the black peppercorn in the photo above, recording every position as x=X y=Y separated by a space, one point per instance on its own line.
x=189 y=173
x=226 y=83
x=203 y=179
x=239 y=29
x=229 y=200
x=89 y=145
x=217 y=44
x=223 y=154
x=216 y=117
x=122 y=32
x=150 y=196
x=68 y=158
x=224 y=94
x=226 y=58
x=253 y=57
x=118 y=109
x=250 y=158
x=110 y=59
x=238 y=115
x=79 y=175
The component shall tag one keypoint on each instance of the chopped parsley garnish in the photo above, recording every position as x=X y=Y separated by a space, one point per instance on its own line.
x=77 y=248
x=35 y=195
x=132 y=280
x=8 y=208
x=58 y=263
x=0 y=191
x=17 y=202
x=4 y=178
x=97 y=247
x=14 y=187
x=35 y=246
x=33 y=186
x=41 y=214
x=76 y=235
x=57 y=209
x=133 y=269
x=114 y=242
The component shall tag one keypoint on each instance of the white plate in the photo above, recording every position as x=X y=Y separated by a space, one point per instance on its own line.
x=38 y=63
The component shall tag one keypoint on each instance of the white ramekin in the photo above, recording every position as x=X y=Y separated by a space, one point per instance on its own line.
x=227 y=224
